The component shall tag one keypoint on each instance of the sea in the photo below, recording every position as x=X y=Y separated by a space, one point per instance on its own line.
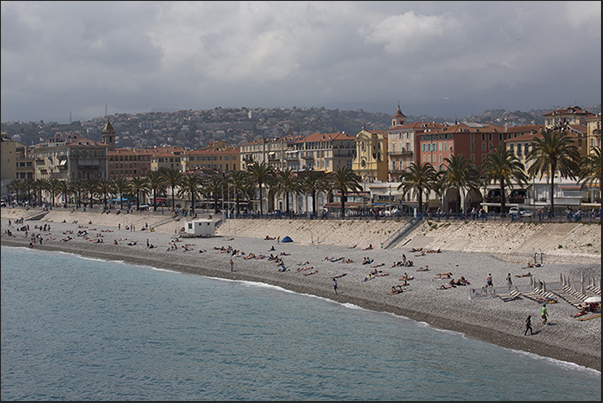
x=75 y=328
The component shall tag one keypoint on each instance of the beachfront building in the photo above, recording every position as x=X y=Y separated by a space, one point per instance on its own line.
x=321 y=152
x=370 y=161
x=168 y=158
x=273 y=151
x=216 y=155
x=573 y=115
x=593 y=131
x=8 y=149
x=130 y=162
x=70 y=160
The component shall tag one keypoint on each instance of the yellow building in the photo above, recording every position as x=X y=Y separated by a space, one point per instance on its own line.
x=216 y=155
x=370 y=162
x=8 y=148
x=593 y=132
x=572 y=115
x=168 y=158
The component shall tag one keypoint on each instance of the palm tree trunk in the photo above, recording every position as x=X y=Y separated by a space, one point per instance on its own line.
x=552 y=190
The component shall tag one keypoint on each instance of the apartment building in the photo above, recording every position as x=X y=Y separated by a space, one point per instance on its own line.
x=321 y=152
x=217 y=155
x=593 y=132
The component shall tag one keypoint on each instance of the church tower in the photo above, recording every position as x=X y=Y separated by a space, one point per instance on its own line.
x=109 y=136
x=398 y=118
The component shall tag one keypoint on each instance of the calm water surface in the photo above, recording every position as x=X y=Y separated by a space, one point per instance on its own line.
x=82 y=329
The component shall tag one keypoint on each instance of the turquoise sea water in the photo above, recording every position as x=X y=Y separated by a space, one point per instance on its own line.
x=83 y=329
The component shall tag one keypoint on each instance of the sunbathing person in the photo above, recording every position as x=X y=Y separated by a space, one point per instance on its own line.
x=369 y=247
x=443 y=275
x=379 y=265
x=445 y=287
x=423 y=269
x=367 y=261
x=528 y=274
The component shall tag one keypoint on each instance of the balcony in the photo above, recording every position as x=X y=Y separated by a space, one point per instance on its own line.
x=403 y=153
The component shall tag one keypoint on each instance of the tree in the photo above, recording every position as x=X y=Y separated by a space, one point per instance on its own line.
x=15 y=185
x=553 y=152
x=172 y=178
x=261 y=173
x=241 y=181
x=78 y=187
x=345 y=180
x=155 y=183
x=29 y=185
x=416 y=179
x=39 y=186
x=105 y=187
x=313 y=182
x=190 y=185
x=589 y=172
x=122 y=186
x=53 y=186
x=92 y=189
x=502 y=167
x=213 y=187
x=64 y=188
x=461 y=175
x=286 y=183
x=139 y=186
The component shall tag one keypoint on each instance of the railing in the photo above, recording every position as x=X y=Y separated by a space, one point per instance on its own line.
x=405 y=229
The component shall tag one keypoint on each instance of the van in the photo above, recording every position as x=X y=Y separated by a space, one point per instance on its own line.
x=520 y=212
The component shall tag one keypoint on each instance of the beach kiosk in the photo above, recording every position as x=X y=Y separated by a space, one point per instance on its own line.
x=200 y=227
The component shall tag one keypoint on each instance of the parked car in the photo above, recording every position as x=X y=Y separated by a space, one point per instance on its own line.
x=520 y=212
x=143 y=207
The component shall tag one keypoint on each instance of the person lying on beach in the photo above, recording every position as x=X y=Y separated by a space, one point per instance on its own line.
x=367 y=260
x=282 y=268
x=462 y=281
x=443 y=275
x=305 y=268
x=445 y=287
x=348 y=261
x=310 y=273
x=405 y=277
x=304 y=263
x=416 y=250
x=409 y=263
x=379 y=265
x=285 y=254
x=396 y=289
x=369 y=247
x=528 y=274
x=352 y=247
x=423 y=269
x=581 y=312
x=269 y=238
x=530 y=265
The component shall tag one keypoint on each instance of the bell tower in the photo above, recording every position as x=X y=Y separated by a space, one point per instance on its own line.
x=109 y=136
x=398 y=118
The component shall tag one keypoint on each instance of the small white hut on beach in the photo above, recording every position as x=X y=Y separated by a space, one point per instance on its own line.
x=200 y=227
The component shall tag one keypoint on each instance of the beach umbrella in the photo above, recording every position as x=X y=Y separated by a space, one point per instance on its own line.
x=582 y=283
x=561 y=278
x=593 y=300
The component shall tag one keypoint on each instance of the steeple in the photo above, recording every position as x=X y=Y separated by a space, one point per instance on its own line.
x=109 y=135
x=398 y=118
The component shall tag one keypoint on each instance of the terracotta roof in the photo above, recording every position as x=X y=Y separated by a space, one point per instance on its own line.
x=325 y=137
x=570 y=110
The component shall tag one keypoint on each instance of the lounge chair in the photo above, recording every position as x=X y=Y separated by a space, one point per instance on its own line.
x=535 y=296
x=510 y=296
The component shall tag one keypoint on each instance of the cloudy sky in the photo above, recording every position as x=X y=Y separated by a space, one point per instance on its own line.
x=448 y=59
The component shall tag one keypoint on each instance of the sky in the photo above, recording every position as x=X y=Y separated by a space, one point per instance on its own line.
x=71 y=60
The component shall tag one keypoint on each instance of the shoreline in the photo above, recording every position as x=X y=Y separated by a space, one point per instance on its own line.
x=492 y=320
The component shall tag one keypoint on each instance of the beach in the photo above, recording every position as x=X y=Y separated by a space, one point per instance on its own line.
x=469 y=249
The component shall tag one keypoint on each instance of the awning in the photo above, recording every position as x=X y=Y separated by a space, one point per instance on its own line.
x=568 y=187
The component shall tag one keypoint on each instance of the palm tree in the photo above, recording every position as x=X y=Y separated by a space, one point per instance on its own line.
x=15 y=185
x=78 y=186
x=312 y=183
x=417 y=179
x=105 y=186
x=190 y=185
x=139 y=186
x=155 y=183
x=39 y=186
x=461 y=175
x=440 y=186
x=240 y=180
x=285 y=183
x=64 y=188
x=554 y=152
x=91 y=186
x=29 y=185
x=261 y=173
x=589 y=172
x=53 y=186
x=172 y=178
x=345 y=180
x=504 y=167
x=213 y=187
x=121 y=186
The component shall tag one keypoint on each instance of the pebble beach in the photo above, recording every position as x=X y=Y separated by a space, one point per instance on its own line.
x=322 y=250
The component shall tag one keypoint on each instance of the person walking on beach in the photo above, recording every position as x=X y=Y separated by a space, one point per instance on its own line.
x=509 y=281
x=231 y=265
x=335 y=284
x=528 y=326
x=489 y=280
x=544 y=314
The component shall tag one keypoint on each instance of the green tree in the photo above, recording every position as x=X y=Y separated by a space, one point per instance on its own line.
x=589 y=172
x=287 y=183
x=461 y=175
x=15 y=185
x=139 y=186
x=213 y=188
x=417 y=179
x=65 y=188
x=553 y=152
x=241 y=182
x=345 y=180
x=105 y=187
x=190 y=185
x=121 y=186
x=311 y=183
x=172 y=178
x=155 y=184
x=261 y=173
x=53 y=186
x=503 y=167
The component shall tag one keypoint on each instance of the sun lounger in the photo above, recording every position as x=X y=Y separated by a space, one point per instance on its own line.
x=510 y=296
x=595 y=289
x=534 y=296
x=570 y=298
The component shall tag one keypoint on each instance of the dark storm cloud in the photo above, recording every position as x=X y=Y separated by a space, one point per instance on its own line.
x=437 y=58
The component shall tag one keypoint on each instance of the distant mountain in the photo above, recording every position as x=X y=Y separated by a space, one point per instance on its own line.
x=194 y=129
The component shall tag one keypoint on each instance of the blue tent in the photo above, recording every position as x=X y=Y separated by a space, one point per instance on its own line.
x=286 y=239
